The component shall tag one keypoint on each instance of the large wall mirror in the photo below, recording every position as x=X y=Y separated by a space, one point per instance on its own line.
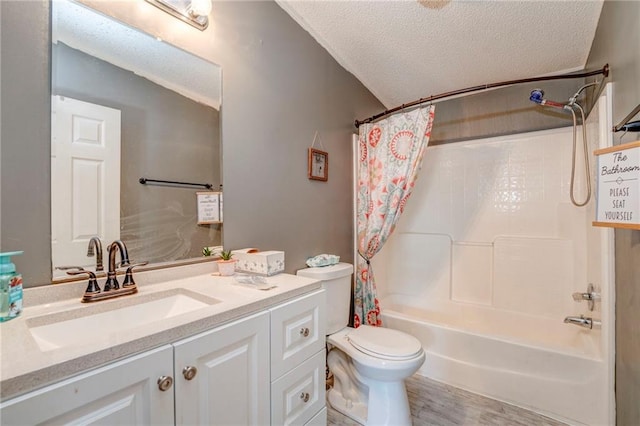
x=127 y=105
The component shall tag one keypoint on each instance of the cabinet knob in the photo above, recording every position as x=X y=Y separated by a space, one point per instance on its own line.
x=304 y=331
x=164 y=383
x=189 y=372
x=304 y=396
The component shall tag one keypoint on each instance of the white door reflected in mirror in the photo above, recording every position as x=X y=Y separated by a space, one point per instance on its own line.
x=85 y=184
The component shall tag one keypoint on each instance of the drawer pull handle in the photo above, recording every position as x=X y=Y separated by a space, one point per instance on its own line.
x=304 y=396
x=189 y=372
x=304 y=331
x=164 y=383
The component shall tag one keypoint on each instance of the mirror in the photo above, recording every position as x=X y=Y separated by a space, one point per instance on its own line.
x=125 y=106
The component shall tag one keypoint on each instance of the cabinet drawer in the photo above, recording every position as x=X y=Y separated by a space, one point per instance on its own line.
x=297 y=332
x=298 y=395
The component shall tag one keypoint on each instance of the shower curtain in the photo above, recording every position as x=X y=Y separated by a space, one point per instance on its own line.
x=391 y=153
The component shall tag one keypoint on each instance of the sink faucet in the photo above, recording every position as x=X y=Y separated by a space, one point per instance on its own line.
x=118 y=245
x=124 y=253
x=582 y=321
x=111 y=287
x=95 y=242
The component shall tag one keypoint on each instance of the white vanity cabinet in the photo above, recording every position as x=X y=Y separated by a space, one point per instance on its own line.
x=125 y=392
x=222 y=376
x=298 y=360
x=265 y=368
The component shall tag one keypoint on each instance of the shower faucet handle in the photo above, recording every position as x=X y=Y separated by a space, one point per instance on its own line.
x=590 y=296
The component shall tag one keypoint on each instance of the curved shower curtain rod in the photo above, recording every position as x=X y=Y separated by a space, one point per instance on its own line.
x=604 y=71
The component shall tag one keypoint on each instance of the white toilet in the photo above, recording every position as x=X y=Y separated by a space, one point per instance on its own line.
x=369 y=364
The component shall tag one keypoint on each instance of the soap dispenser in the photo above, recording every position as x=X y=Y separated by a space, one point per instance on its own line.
x=10 y=287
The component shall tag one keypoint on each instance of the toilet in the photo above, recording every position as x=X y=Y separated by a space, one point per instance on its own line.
x=369 y=364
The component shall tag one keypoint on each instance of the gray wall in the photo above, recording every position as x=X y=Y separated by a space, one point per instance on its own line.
x=617 y=41
x=25 y=134
x=165 y=136
x=279 y=88
x=270 y=114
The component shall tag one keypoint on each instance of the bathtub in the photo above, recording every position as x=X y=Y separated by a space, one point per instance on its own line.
x=540 y=364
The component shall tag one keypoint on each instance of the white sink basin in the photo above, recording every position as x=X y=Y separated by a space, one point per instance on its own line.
x=57 y=331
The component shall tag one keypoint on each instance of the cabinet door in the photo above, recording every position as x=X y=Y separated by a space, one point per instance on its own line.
x=297 y=332
x=231 y=382
x=123 y=393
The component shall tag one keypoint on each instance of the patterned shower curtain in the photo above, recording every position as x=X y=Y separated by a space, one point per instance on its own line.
x=391 y=153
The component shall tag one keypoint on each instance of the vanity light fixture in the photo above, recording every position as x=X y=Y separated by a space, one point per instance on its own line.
x=193 y=12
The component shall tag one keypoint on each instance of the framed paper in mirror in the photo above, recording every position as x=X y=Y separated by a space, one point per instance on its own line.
x=209 y=207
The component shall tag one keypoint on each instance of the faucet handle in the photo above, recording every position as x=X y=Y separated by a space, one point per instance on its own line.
x=71 y=270
x=92 y=287
x=128 y=277
x=591 y=296
x=578 y=297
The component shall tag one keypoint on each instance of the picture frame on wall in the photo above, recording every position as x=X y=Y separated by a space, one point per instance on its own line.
x=318 y=166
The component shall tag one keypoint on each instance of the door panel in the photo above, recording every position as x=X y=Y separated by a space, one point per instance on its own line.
x=85 y=178
x=231 y=386
x=123 y=393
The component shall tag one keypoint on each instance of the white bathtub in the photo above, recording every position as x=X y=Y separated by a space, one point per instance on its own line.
x=544 y=365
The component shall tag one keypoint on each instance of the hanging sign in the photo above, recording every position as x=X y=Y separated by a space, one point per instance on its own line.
x=209 y=207
x=618 y=174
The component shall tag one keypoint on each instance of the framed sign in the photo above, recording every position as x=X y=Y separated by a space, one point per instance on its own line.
x=618 y=174
x=209 y=207
x=318 y=165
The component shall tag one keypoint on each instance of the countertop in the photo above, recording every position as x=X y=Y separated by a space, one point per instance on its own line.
x=24 y=366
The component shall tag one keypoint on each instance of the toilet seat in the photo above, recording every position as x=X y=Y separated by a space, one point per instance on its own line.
x=384 y=343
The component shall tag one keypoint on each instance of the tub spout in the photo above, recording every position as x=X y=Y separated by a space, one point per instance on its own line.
x=582 y=321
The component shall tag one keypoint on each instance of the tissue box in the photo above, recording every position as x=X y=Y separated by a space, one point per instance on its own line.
x=262 y=262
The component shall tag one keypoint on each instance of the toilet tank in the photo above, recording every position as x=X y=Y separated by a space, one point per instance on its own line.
x=336 y=280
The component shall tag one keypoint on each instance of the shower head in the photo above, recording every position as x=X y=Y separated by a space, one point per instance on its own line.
x=537 y=96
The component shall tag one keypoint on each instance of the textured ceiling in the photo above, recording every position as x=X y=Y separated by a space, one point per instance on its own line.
x=404 y=50
x=105 y=38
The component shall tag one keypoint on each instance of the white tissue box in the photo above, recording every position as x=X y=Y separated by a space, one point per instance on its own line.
x=263 y=262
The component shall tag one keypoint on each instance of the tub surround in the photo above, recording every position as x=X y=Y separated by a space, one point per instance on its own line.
x=483 y=265
x=25 y=366
x=562 y=383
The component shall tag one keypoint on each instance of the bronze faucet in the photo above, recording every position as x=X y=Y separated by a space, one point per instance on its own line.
x=95 y=242
x=111 y=287
x=112 y=281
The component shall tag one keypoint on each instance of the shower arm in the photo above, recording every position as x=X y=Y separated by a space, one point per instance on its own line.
x=573 y=100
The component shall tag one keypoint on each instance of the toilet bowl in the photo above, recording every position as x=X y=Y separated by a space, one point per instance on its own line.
x=369 y=364
x=369 y=378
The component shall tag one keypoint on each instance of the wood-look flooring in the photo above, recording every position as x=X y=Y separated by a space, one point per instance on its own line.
x=436 y=404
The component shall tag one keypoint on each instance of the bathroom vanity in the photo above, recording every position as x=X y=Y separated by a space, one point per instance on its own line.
x=214 y=352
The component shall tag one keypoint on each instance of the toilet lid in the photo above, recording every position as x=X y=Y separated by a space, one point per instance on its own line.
x=385 y=343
